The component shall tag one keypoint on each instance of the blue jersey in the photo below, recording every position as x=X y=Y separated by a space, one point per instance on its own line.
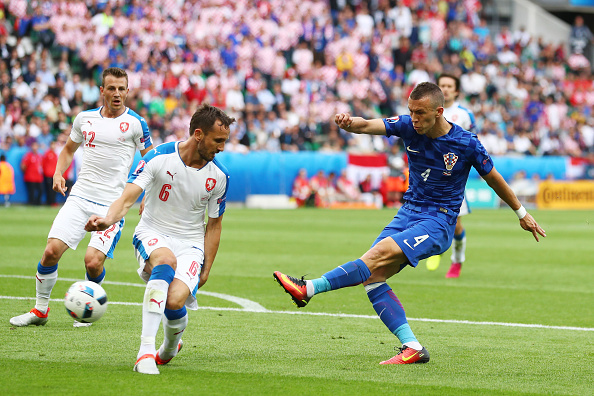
x=438 y=168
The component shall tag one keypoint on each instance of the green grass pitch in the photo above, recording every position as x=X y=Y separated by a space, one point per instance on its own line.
x=469 y=325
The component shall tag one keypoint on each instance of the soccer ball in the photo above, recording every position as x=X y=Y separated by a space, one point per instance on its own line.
x=86 y=301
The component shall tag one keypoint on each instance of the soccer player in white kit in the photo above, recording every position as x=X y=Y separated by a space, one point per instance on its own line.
x=110 y=136
x=454 y=112
x=183 y=181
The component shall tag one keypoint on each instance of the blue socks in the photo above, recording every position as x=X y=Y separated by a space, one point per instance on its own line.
x=173 y=314
x=46 y=270
x=390 y=311
x=98 y=279
x=461 y=236
x=349 y=274
x=164 y=272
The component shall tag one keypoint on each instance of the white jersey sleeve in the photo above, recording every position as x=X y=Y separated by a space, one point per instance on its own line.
x=75 y=133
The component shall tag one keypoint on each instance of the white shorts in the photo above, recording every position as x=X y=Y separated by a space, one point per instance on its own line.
x=69 y=225
x=464 y=208
x=189 y=258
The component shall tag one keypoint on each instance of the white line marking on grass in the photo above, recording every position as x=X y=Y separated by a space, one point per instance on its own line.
x=255 y=307
x=246 y=304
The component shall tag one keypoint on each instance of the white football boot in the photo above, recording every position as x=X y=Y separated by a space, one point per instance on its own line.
x=146 y=364
x=33 y=317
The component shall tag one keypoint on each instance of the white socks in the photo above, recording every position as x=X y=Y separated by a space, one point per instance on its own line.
x=173 y=331
x=43 y=288
x=414 y=345
x=459 y=250
x=153 y=306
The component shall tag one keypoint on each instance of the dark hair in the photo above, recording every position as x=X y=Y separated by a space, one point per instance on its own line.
x=2 y=157
x=205 y=117
x=113 y=71
x=428 y=89
x=456 y=80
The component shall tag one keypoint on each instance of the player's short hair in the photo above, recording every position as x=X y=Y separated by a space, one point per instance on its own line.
x=428 y=89
x=113 y=71
x=456 y=80
x=205 y=117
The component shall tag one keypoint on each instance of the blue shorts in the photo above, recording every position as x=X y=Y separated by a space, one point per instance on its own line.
x=419 y=235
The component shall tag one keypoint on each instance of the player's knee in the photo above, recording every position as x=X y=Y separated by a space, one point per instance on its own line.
x=51 y=255
x=94 y=262
x=175 y=303
x=168 y=259
x=175 y=299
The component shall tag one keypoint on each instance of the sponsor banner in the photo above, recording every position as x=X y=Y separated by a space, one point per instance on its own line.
x=480 y=195
x=565 y=195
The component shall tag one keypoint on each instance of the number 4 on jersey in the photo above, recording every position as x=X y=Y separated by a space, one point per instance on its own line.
x=425 y=175
x=418 y=240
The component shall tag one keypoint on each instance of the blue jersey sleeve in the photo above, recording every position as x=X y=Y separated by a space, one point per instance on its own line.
x=400 y=126
x=479 y=157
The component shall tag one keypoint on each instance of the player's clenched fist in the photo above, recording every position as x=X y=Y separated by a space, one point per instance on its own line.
x=343 y=120
x=96 y=223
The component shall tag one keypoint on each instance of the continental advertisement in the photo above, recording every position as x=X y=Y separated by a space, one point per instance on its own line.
x=566 y=195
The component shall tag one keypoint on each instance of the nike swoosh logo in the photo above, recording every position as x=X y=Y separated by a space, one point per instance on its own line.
x=406 y=359
x=291 y=284
x=411 y=150
x=406 y=241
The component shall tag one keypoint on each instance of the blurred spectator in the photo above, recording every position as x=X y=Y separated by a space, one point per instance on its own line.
x=369 y=194
x=346 y=190
x=49 y=162
x=581 y=37
x=31 y=165
x=525 y=188
x=301 y=190
x=6 y=180
x=319 y=188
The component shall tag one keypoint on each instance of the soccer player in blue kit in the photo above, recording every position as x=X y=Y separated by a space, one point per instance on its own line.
x=440 y=156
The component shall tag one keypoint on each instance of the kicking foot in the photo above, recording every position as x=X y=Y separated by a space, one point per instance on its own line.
x=161 y=353
x=146 y=364
x=33 y=317
x=408 y=355
x=454 y=271
x=295 y=287
x=81 y=324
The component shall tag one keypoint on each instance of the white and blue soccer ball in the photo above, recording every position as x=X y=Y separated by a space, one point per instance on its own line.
x=86 y=301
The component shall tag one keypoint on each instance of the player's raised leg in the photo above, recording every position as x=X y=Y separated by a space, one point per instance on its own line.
x=301 y=291
x=153 y=307
x=45 y=279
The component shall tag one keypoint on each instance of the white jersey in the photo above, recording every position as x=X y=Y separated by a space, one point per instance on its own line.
x=109 y=145
x=460 y=115
x=177 y=196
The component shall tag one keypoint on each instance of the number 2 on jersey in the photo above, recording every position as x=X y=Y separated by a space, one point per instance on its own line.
x=91 y=135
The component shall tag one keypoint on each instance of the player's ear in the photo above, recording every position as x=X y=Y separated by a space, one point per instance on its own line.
x=439 y=112
x=198 y=134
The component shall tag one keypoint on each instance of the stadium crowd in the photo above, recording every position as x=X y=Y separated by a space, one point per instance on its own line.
x=283 y=68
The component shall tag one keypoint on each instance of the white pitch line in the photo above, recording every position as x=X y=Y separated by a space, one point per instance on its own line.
x=257 y=308
x=249 y=305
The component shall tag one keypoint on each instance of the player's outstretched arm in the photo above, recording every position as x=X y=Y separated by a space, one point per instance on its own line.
x=212 y=238
x=360 y=125
x=504 y=191
x=116 y=211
